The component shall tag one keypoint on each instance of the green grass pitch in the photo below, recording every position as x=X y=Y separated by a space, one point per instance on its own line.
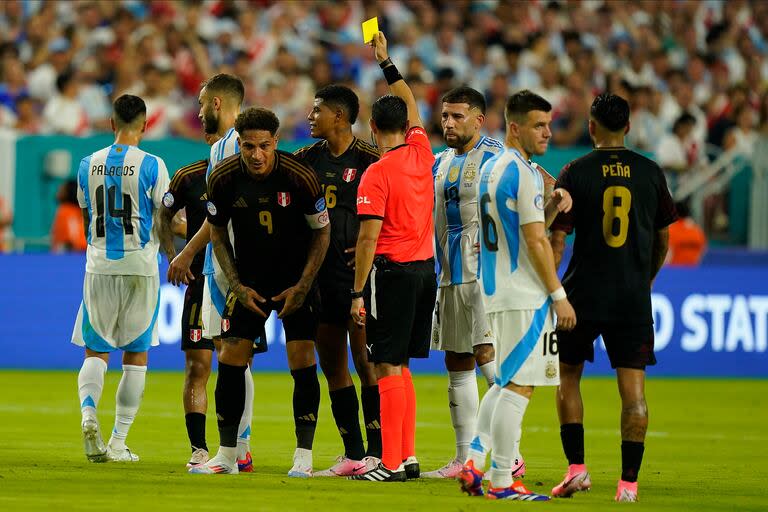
x=706 y=450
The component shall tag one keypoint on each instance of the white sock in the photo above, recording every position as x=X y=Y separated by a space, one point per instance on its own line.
x=481 y=441
x=244 y=429
x=462 y=403
x=90 y=382
x=507 y=417
x=229 y=454
x=487 y=370
x=128 y=398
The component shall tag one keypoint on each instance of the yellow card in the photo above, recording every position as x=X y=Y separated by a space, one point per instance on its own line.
x=370 y=27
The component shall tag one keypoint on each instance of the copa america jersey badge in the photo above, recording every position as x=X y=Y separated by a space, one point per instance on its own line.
x=349 y=174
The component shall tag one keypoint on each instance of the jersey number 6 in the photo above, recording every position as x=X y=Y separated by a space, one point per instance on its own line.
x=111 y=199
x=490 y=234
x=616 y=203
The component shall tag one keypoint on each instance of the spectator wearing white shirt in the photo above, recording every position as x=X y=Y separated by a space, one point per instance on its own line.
x=63 y=113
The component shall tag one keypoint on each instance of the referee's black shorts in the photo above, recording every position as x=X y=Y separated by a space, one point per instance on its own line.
x=400 y=299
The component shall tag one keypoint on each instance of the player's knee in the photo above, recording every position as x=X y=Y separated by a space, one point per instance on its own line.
x=484 y=354
x=198 y=370
x=636 y=408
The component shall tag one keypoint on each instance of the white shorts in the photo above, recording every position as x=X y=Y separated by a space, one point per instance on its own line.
x=526 y=347
x=214 y=300
x=460 y=323
x=118 y=312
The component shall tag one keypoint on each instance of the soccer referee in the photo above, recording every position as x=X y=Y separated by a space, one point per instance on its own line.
x=394 y=245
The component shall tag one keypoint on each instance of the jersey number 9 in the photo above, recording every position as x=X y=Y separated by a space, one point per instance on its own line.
x=265 y=219
x=111 y=199
x=616 y=203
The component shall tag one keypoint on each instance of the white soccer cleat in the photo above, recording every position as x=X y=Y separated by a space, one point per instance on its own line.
x=344 y=467
x=95 y=449
x=450 y=470
x=218 y=465
x=302 y=464
x=199 y=456
x=123 y=455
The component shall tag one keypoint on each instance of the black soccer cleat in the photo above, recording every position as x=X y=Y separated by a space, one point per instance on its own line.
x=381 y=474
x=412 y=469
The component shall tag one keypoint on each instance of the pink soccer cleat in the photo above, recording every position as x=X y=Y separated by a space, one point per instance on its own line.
x=576 y=479
x=344 y=467
x=626 y=491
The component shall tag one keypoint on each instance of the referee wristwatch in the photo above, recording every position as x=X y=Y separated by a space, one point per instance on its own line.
x=355 y=295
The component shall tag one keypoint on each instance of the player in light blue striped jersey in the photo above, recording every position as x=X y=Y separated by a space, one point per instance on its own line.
x=120 y=189
x=521 y=292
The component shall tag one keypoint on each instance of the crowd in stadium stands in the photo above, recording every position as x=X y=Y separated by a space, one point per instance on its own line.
x=695 y=72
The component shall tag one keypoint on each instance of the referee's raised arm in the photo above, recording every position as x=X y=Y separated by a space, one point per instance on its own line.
x=397 y=85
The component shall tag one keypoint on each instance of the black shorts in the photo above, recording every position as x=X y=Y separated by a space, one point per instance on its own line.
x=399 y=300
x=191 y=317
x=335 y=303
x=240 y=322
x=628 y=346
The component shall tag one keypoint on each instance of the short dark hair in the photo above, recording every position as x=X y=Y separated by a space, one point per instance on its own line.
x=257 y=118
x=340 y=96
x=611 y=111
x=226 y=84
x=128 y=108
x=522 y=102
x=466 y=95
x=685 y=118
x=64 y=79
x=71 y=188
x=390 y=113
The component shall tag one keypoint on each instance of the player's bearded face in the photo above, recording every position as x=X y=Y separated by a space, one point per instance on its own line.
x=207 y=115
x=535 y=132
x=257 y=149
x=460 y=124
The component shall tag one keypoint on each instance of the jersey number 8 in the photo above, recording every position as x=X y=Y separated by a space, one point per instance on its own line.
x=616 y=204
x=111 y=199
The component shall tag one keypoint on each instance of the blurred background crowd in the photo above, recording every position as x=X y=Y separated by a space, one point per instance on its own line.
x=695 y=72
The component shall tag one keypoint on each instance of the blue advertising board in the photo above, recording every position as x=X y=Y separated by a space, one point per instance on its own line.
x=710 y=321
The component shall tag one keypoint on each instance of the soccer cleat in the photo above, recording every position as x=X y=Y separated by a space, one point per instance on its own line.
x=199 y=456
x=518 y=469
x=412 y=469
x=576 y=479
x=450 y=470
x=344 y=467
x=218 y=465
x=626 y=491
x=95 y=449
x=302 y=464
x=245 y=465
x=380 y=473
x=516 y=491
x=121 y=455
x=471 y=479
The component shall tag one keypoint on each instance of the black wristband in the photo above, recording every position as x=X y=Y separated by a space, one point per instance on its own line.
x=355 y=295
x=385 y=63
x=391 y=74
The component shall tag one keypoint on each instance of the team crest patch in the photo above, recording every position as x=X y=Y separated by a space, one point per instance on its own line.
x=453 y=174
x=195 y=335
x=550 y=371
x=224 y=324
x=538 y=201
x=349 y=174
x=211 y=208
x=168 y=200
x=470 y=173
x=283 y=198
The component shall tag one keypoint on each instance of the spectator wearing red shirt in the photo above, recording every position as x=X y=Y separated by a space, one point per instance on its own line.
x=394 y=204
x=687 y=241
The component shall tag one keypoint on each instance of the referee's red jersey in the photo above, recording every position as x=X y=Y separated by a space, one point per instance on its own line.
x=398 y=190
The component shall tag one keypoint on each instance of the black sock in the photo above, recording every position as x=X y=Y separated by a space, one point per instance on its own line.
x=196 y=430
x=572 y=436
x=230 y=402
x=345 y=408
x=306 y=402
x=631 y=458
x=369 y=395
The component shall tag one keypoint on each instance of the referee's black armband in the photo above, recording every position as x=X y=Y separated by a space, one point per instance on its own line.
x=391 y=74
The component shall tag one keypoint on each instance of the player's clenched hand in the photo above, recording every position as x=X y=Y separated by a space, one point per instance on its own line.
x=566 y=316
x=357 y=312
x=249 y=298
x=351 y=250
x=293 y=297
x=178 y=270
x=562 y=200
x=379 y=43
